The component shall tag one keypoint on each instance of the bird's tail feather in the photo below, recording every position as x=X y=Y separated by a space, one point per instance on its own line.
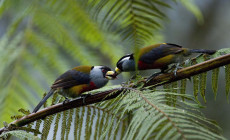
x=202 y=51
x=43 y=101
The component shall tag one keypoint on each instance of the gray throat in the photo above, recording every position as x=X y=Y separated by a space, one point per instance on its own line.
x=128 y=65
x=97 y=78
x=99 y=82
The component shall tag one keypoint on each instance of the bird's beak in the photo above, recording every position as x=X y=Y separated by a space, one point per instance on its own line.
x=117 y=71
x=110 y=75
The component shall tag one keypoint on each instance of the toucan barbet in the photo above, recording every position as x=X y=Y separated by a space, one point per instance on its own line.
x=157 y=56
x=80 y=79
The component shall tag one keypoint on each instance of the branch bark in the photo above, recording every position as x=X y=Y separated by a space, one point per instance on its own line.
x=187 y=72
x=110 y=94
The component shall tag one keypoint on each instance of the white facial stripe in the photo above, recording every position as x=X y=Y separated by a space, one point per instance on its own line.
x=126 y=58
x=128 y=64
x=98 y=67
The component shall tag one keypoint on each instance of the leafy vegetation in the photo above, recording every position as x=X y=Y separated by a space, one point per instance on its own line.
x=45 y=38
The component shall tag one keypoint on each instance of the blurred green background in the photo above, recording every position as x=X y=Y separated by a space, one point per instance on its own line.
x=39 y=40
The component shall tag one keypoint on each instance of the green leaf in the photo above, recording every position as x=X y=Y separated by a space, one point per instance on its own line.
x=69 y=123
x=133 y=17
x=87 y=123
x=215 y=76
x=183 y=87
x=56 y=124
x=46 y=126
x=203 y=81
x=19 y=134
x=46 y=38
x=64 y=125
x=77 y=116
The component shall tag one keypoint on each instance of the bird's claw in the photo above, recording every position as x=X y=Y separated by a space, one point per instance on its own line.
x=177 y=68
x=174 y=72
x=84 y=96
x=66 y=100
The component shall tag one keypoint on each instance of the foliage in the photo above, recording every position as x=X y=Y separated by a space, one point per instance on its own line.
x=139 y=114
x=44 y=39
x=47 y=48
x=19 y=134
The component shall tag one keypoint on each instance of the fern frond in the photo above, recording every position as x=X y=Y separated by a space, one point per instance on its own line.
x=63 y=126
x=227 y=71
x=138 y=20
x=97 y=125
x=147 y=120
x=140 y=114
x=53 y=40
x=87 y=123
x=183 y=85
x=56 y=35
x=202 y=85
x=76 y=123
x=46 y=126
x=37 y=126
x=215 y=76
x=227 y=79
x=19 y=134
x=69 y=123
x=81 y=123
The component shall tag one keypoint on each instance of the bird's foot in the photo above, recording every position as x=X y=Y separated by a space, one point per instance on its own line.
x=66 y=100
x=84 y=96
x=177 y=68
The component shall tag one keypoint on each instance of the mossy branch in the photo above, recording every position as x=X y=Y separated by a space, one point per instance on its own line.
x=110 y=94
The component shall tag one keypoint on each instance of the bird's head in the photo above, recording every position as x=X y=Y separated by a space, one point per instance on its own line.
x=100 y=75
x=102 y=72
x=125 y=63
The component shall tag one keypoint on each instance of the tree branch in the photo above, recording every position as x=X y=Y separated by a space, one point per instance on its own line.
x=95 y=98
x=110 y=94
x=187 y=72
